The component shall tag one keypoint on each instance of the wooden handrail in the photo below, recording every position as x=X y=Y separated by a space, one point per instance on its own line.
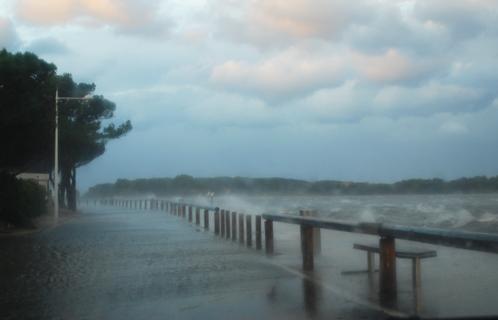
x=477 y=241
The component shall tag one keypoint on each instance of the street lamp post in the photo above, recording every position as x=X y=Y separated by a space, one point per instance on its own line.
x=56 y=158
x=56 y=149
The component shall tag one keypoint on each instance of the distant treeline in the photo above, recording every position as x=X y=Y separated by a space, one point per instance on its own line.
x=186 y=185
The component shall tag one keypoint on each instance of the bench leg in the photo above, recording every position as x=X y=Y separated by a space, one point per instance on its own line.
x=370 y=263
x=416 y=278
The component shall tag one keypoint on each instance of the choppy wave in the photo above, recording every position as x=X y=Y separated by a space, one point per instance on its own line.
x=476 y=212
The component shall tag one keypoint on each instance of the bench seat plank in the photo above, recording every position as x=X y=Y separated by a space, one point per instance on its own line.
x=400 y=253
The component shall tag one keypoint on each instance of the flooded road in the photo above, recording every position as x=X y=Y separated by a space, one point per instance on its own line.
x=115 y=264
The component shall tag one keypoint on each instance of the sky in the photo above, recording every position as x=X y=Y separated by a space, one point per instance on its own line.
x=321 y=89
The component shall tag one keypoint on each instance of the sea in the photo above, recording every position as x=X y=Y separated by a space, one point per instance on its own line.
x=472 y=212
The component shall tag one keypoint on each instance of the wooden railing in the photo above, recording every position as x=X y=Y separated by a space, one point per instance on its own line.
x=225 y=226
x=387 y=234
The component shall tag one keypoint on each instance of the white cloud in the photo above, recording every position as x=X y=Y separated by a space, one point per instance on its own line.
x=463 y=18
x=300 y=71
x=230 y=110
x=390 y=67
x=453 y=127
x=348 y=82
x=8 y=35
x=286 y=75
x=270 y=23
x=428 y=99
x=126 y=15
x=332 y=105
x=48 y=45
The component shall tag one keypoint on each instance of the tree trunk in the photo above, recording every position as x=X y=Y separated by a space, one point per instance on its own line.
x=68 y=187
x=71 y=192
x=63 y=186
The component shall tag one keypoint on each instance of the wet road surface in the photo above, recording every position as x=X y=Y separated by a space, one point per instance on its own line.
x=114 y=264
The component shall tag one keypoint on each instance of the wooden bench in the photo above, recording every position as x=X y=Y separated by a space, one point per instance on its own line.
x=414 y=254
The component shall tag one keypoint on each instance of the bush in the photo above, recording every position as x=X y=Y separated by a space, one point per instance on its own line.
x=21 y=200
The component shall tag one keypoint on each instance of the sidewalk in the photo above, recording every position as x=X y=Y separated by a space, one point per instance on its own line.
x=116 y=264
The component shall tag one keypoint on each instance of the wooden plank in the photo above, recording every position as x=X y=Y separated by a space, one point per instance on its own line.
x=400 y=253
x=313 y=222
x=452 y=238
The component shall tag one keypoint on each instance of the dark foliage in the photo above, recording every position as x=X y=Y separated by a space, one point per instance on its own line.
x=27 y=86
x=21 y=200
x=83 y=137
x=187 y=185
x=27 y=121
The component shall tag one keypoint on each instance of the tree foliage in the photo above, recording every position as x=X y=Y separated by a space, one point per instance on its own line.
x=27 y=121
x=84 y=132
x=186 y=185
x=27 y=86
x=20 y=200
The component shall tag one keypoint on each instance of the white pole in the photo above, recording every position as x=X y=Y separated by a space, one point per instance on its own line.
x=56 y=159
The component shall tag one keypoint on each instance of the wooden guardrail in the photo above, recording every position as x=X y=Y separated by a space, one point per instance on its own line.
x=387 y=233
x=228 y=225
x=225 y=226
x=452 y=238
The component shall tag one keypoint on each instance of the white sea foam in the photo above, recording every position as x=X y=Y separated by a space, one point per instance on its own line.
x=488 y=218
x=367 y=215
x=453 y=219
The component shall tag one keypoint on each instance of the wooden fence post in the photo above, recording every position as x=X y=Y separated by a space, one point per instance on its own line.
x=388 y=285
x=241 y=227
x=197 y=216
x=317 y=236
x=249 y=230
x=227 y=222
x=258 y=232
x=222 y=223
x=307 y=247
x=269 y=237
x=234 y=226
x=206 y=219
x=189 y=213
x=217 y=221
